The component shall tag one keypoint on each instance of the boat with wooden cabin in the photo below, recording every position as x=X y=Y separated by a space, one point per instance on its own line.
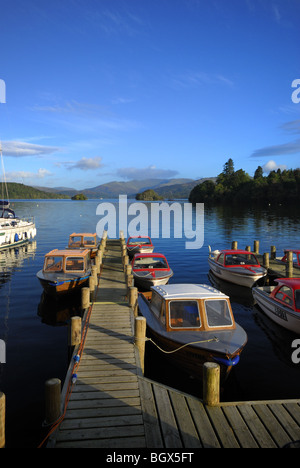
x=281 y=303
x=236 y=266
x=150 y=269
x=193 y=324
x=84 y=240
x=65 y=271
x=139 y=244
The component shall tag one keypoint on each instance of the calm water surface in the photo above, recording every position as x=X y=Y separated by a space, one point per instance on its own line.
x=35 y=331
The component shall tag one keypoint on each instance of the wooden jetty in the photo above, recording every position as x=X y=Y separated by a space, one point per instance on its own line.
x=112 y=405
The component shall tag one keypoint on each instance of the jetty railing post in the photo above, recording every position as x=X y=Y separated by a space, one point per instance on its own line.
x=85 y=298
x=52 y=400
x=211 y=383
x=2 y=420
x=289 y=265
x=266 y=260
x=133 y=295
x=140 y=338
x=273 y=252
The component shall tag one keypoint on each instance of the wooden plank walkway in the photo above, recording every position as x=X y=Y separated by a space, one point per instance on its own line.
x=113 y=406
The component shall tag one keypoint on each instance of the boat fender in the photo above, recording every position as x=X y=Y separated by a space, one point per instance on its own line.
x=16 y=237
x=226 y=361
x=74 y=378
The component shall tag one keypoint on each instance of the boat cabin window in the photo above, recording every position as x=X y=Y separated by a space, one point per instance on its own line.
x=75 y=264
x=240 y=259
x=156 y=304
x=297 y=299
x=150 y=262
x=53 y=264
x=184 y=314
x=75 y=241
x=142 y=240
x=218 y=313
x=221 y=259
x=89 y=241
x=285 y=294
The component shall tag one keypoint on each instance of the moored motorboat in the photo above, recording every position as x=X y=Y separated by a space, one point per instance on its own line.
x=139 y=244
x=65 y=271
x=194 y=324
x=14 y=231
x=236 y=266
x=150 y=269
x=84 y=240
x=281 y=303
x=295 y=257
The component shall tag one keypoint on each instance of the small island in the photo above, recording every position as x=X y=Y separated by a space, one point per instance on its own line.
x=79 y=196
x=148 y=195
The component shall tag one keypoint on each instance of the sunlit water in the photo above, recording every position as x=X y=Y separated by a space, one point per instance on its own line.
x=35 y=332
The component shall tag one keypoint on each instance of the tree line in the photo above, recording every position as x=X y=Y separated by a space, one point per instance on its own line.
x=236 y=187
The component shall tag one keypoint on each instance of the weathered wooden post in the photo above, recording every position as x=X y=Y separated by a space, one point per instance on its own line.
x=133 y=295
x=289 y=265
x=75 y=331
x=140 y=338
x=256 y=247
x=234 y=245
x=273 y=252
x=52 y=400
x=211 y=383
x=248 y=248
x=95 y=275
x=2 y=420
x=85 y=298
x=266 y=260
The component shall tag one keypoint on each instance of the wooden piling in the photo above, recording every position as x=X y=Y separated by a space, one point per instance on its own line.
x=75 y=331
x=140 y=338
x=266 y=260
x=2 y=420
x=256 y=247
x=52 y=400
x=234 y=245
x=133 y=295
x=211 y=383
x=289 y=265
x=273 y=252
x=85 y=298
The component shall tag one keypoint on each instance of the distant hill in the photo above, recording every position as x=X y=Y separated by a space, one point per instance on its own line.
x=18 y=191
x=168 y=188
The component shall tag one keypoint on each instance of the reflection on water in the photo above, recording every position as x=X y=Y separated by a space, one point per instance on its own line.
x=35 y=328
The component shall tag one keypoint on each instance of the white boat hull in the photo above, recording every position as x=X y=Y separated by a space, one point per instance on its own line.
x=15 y=232
x=283 y=316
x=149 y=281
x=239 y=275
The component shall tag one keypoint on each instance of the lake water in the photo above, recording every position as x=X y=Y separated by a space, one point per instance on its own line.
x=35 y=332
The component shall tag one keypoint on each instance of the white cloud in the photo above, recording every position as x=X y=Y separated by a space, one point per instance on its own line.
x=86 y=164
x=19 y=149
x=150 y=172
x=272 y=166
x=40 y=174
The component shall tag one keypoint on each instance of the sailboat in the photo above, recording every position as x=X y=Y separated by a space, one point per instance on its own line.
x=14 y=231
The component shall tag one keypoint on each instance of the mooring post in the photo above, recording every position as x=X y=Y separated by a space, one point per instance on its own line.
x=2 y=420
x=234 y=245
x=289 y=265
x=52 y=400
x=256 y=247
x=133 y=295
x=211 y=383
x=273 y=252
x=75 y=331
x=140 y=338
x=266 y=261
x=85 y=298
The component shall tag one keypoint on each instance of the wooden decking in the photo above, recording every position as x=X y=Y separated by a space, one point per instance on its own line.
x=113 y=406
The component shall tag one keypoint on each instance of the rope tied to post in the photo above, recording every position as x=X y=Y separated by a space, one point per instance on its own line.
x=177 y=349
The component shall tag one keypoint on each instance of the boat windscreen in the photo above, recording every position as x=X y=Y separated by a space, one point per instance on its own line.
x=53 y=264
x=150 y=262
x=138 y=241
x=241 y=259
x=297 y=299
x=184 y=314
x=217 y=313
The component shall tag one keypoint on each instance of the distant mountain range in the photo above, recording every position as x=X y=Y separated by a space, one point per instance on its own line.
x=168 y=188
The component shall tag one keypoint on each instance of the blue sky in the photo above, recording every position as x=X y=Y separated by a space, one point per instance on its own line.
x=102 y=90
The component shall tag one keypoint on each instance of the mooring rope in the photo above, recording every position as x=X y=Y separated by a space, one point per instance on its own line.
x=180 y=347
